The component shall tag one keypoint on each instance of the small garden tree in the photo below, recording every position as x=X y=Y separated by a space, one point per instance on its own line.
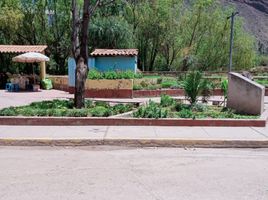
x=194 y=85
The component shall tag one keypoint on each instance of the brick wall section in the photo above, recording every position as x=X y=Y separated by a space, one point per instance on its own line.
x=85 y=121
x=91 y=93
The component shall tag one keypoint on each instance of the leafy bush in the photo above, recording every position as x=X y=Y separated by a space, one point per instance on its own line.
x=159 y=80
x=8 y=112
x=186 y=113
x=180 y=106
x=152 y=110
x=166 y=101
x=41 y=112
x=153 y=87
x=100 y=111
x=193 y=86
x=77 y=113
x=110 y=75
x=94 y=74
x=207 y=87
x=137 y=87
x=138 y=75
x=121 y=108
x=89 y=104
x=102 y=103
x=199 y=107
x=224 y=87
x=57 y=104
x=168 y=84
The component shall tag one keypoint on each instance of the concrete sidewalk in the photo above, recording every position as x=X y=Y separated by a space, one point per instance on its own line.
x=134 y=136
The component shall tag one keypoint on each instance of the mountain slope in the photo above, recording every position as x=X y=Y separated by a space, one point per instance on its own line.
x=255 y=13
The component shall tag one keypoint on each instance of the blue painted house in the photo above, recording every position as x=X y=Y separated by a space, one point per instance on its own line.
x=114 y=60
x=107 y=60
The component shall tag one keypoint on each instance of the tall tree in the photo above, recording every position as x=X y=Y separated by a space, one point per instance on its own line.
x=80 y=45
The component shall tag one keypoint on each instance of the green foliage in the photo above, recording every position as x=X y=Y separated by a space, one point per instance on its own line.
x=89 y=104
x=193 y=86
x=77 y=113
x=224 y=87
x=152 y=110
x=159 y=80
x=166 y=101
x=60 y=108
x=137 y=87
x=121 y=108
x=102 y=103
x=8 y=112
x=100 y=111
x=180 y=106
x=110 y=32
x=168 y=84
x=207 y=87
x=263 y=82
x=185 y=113
x=94 y=74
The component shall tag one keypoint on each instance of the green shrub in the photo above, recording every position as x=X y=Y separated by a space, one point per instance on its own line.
x=110 y=75
x=168 y=84
x=57 y=112
x=27 y=111
x=137 y=87
x=77 y=113
x=153 y=87
x=159 y=80
x=185 y=113
x=207 y=87
x=152 y=110
x=8 y=112
x=41 y=112
x=144 y=84
x=193 y=86
x=166 y=101
x=100 y=111
x=102 y=103
x=126 y=75
x=89 y=104
x=138 y=75
x=94 y=74
x=199 y=107
x=57 y=104
x=224 y=87
x=121 y=108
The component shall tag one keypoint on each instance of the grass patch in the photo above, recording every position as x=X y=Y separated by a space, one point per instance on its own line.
x=168 y=108
x=64 y=108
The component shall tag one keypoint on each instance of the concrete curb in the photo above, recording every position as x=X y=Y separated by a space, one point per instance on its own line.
x=196 y=143
x=100 y=121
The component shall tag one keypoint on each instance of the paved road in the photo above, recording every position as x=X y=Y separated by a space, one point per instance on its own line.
x=140 y=174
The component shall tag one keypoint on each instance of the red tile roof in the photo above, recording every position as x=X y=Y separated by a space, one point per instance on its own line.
x=22 y=48
x=115 y=52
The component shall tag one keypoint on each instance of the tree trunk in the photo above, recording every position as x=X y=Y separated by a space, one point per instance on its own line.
x=80 y=55
x=81 y=76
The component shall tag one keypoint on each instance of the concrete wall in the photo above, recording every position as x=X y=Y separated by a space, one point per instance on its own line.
x=118 y=84
x=245 y=96
x=59 y=82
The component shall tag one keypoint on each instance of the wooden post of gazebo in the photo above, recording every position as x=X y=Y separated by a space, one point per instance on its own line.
x=42 y=70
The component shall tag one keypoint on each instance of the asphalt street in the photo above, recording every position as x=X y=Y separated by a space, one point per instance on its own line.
x=115 y=173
